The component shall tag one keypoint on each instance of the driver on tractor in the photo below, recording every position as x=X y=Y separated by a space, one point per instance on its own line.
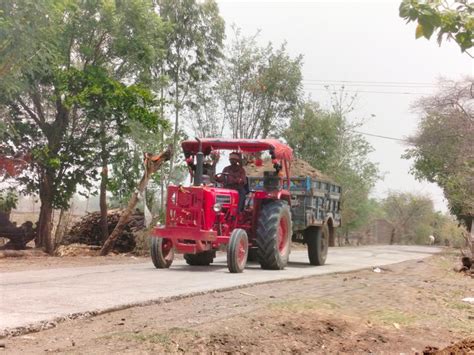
x=234 y=177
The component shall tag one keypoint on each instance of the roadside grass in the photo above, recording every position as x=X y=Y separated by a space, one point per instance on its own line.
x=154 y=338
x=458 y=305
x=445 y=262
x=446 y=259
x=165 y=338
x=461 y=325
x=391 y=316
x=302 y=305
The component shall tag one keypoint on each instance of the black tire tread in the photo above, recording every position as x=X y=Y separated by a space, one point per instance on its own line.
x=268 y=254
x=156 y=255
x=313 y=237
x=232 y=262
x=201 y=259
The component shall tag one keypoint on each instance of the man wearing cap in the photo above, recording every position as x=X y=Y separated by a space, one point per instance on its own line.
x=234 y=177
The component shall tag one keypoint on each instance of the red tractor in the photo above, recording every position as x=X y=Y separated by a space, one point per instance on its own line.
x=203 y=218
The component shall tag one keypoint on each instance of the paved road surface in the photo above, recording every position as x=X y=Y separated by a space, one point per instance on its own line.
x=31 y=297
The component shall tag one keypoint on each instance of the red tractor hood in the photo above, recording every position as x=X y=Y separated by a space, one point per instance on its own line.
x=281 y=150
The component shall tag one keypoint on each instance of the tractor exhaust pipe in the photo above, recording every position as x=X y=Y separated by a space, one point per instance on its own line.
x=199 y=165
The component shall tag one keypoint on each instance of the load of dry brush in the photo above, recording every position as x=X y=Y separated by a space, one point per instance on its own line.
x=298 y=168
x=87 y=230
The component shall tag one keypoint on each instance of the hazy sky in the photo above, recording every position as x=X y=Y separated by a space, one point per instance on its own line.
x=374 y=51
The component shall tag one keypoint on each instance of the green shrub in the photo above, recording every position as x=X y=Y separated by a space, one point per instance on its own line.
x=8 y=201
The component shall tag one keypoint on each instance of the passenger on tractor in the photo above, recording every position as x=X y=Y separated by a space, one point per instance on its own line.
x=234 y=177
x=208 y=168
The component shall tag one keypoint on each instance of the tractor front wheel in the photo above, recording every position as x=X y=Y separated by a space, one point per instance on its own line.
x=162 y=252
x=274 y=235
x=237 y=251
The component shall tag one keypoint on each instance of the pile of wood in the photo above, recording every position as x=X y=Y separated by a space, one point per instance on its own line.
x=77 y=250
x=87 y=231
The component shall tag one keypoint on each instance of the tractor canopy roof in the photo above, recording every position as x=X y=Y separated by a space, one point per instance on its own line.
x=279 y=149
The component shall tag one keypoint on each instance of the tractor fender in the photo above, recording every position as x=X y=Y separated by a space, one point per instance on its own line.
x=274 y=195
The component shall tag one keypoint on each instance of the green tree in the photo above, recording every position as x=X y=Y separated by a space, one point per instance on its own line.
x=111 y=108
x=259 y=87
x=442 y=149
x=327 y=140
x=194 y=46
x=451 y=21
x=204 y=114
x=61 y=60
x=411 y=215
x=127 y=164
x=447 y=231
x=8 y=201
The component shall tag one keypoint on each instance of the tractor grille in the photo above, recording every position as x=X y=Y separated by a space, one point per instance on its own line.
x=184 y=207
x=223 y=199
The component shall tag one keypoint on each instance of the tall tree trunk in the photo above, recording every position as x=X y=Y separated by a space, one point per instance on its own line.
x=61 y=227
x=162 y=112
x=152 y=164
x=471 y=234
x=43 y=234
x=176 y=122
x=104 y=225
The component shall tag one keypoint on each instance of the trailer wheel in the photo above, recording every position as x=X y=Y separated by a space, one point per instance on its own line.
x=274 y=235
x=162 y=252
x=317 y=240
x=200 y=259
x=237 y=251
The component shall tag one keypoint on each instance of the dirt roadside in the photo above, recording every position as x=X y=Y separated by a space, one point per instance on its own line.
x=407 y=307
x=36 y=260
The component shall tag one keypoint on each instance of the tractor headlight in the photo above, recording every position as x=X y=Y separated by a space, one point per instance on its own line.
x=217 y=207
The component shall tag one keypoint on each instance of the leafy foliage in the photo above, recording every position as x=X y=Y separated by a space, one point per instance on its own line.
x=193 y=48
x=127 y=163
x=259 y=87
x=204 y=114
x=326 y=139
x=62 y=62
x=451 y=22
x=447 y=231
x=411 y=215
x=8 y=201
x=442 y=149
x=414 y=219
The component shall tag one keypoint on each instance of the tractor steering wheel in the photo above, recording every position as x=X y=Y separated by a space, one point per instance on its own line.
x=218 y=177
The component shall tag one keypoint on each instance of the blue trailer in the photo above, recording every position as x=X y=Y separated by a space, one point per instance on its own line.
x=315 y=210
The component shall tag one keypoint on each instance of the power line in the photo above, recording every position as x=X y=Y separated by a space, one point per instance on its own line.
x=376 y=92
x=371 y=82
x=368 y=85
x=380 y=136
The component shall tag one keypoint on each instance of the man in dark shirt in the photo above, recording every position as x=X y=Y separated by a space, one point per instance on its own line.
x=234 y=177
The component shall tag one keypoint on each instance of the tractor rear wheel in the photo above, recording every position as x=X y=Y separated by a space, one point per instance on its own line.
x=204 y=258
x=162 y=252
x=274 y=235
x=317 y=240
x=237 y=251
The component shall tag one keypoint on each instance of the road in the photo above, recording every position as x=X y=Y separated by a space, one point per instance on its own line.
x=38 y=297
